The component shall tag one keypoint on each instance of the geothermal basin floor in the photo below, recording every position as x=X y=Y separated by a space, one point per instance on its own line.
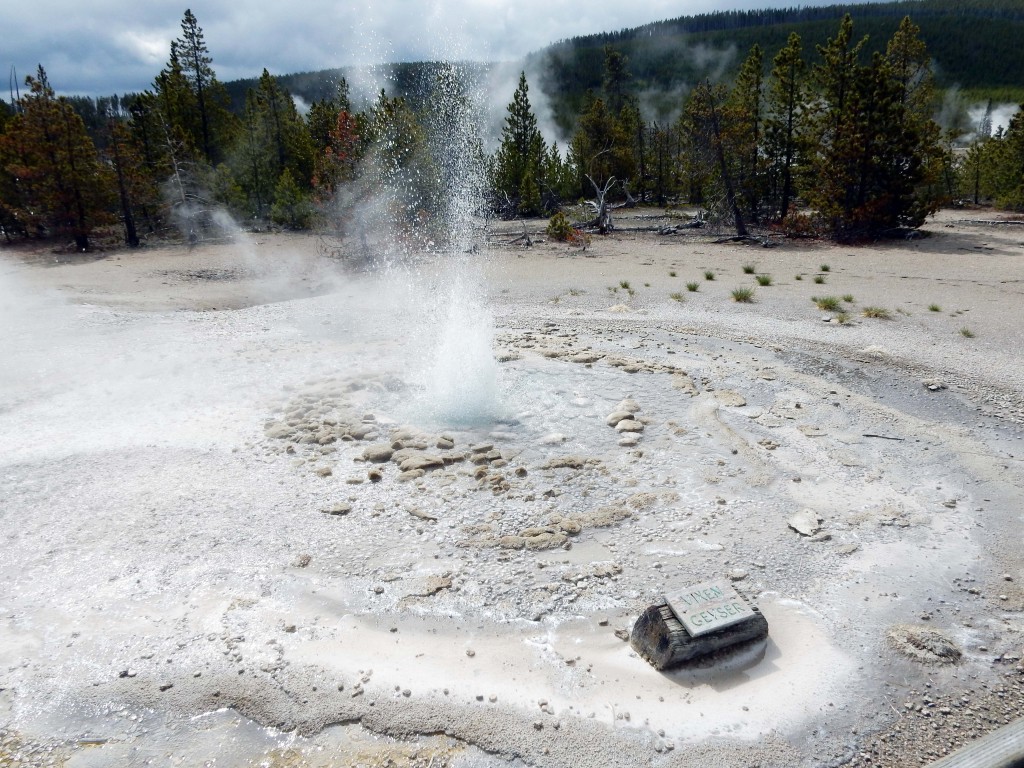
x=207 y=555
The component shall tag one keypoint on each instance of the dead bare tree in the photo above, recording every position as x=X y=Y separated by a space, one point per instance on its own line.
x=602 y=220
x=603 y=217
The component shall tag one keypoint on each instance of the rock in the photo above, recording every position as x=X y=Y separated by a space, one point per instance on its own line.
x=324 y=471
x=684 y=383
x=924 y=644
x=570 y=526
x=605 y=516
x=481 y=448
x=730 y=398
x=417 y=512
x=412 y=474
x=434 y=585
x=278 y=431
x=375 y=475
x=378 y=453
x=806 y=522
x=586 y=357
x=542 y=538
x=567 y=462
x=617 y=416
x=629 y=405
x=553 y=438
x=444 y=443
x=629 y=441
x=737 y=574
x=629 y=425
x=360 y=431
x=423 y=461
x=337 y=509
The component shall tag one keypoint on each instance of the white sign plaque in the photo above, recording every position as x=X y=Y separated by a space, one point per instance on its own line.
x=708 y=606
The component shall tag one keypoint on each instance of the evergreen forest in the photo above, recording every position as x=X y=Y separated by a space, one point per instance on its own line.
x=830 y=129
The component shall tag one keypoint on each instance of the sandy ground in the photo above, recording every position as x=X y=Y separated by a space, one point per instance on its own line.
x=201 y=565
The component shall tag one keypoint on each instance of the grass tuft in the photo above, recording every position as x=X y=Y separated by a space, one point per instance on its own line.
x=967 y=333
x=693 y=287
x=798 y=277
x=827 y=303
x=879 y=313
x=743 y=295
x=848 y=298
x=624 y=284
x=819 y=279
x=672 y=273
x=934 y=308
x=764 y=280
x=749 y=269
x=825 y=268
x=676 y=296
x=843 y=318
x=709 y=275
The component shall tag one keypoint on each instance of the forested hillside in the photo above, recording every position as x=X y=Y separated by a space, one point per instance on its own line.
x=974 y=45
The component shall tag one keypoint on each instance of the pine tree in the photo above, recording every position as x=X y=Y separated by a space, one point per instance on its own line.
x=519 y=160
x=291 y=205
x=743 y=133
x=63 y=187
x=282 y=124
x=137 y=192
x=1007 y=152
x=707 y=109
x=787 y=97
x=615 y=79
x=877 y=152
x=323 y=116
x=254 y=158
x=212 y=126
x=195 y=66
x=337 y=163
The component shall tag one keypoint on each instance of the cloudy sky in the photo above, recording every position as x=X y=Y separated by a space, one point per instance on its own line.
x=98 y=47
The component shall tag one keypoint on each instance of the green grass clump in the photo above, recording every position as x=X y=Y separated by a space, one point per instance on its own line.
x=798 y=277
x=967 y=333
x=672 y=273
x=843 y=318
x=749 y=269
x=819 y=279
x=848 y=298
x=764 y=280
x=743 y=295
x=693 y=287
x=879 y=313
x=676 y=296
x=934 y=308
x=827 y=303
x=825 y=268
x=624 y=284
x=709 y=275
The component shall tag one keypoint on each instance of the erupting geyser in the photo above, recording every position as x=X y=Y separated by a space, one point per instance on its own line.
x=460 y=384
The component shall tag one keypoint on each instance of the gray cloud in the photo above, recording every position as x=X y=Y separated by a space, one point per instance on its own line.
x=108 y=46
